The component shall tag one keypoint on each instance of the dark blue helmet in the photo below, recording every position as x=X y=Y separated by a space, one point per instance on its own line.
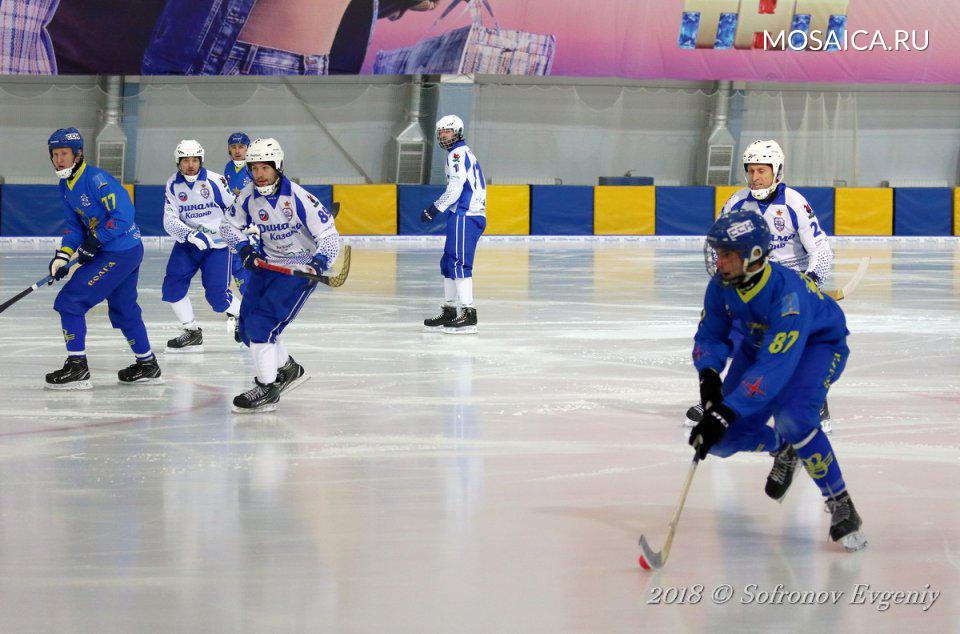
x=238 y=137
x=65 y=137
x=744 y=232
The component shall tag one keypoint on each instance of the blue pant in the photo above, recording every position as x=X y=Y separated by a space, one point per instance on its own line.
x=214 y=266
x=111 y=276
x=270 y=302
x=463 y=233
x=795 y=410
x=240 y=274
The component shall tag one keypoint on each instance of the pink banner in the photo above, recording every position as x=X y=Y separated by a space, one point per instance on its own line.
x=641 y=39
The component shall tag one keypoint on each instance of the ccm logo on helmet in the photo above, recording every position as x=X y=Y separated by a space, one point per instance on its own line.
x=740 y=229
x=725 y=24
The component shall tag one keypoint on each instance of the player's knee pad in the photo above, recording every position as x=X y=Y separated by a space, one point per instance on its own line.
x=256 y=328
x=174 y=290
x=70 y=303
x=219 y=300
x=446 y=267
x=125 y=317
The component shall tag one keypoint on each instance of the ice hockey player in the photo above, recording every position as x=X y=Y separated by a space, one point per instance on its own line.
x=799 y=242
x=466 y=199
x=794 y=348
x=296 y=230
x=194 y=201
x=101 y=231
x=238 y=176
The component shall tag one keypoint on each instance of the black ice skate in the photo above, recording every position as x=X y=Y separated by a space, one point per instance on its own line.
x=291 y=375
x=143 y=371
x=464 y=324
x=447 y=315
x=694 y=416
x=233 y=327
x=825 y=423
x=74 y=375
x=781 y=475
x=262 y=398
x=189 y=341
x=845 y=522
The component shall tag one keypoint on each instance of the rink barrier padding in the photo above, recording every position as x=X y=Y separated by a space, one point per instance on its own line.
x=411 y=201
x=864 y=211
x=721 y=195
x=508 y=210
x=31 y=210
x=626 y=181
x=685 y=211
x=366 y=209
x=561 y=210
x=956 y=211
x=624 y=210
x=148 y=200
x=823 y=201
x=923 y=211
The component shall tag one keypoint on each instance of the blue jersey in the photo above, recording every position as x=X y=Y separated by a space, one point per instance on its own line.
x=781 y=315
x=96 y=203
x=237 y=179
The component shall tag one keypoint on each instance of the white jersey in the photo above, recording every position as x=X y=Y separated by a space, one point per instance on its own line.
x=466 y=192
x=188 y=207
x=798 y=241
x=294 y=226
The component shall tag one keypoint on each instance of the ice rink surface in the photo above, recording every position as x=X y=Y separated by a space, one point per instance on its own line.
x=494 y=483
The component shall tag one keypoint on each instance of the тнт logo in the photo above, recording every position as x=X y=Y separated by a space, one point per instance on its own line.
x=741 y=24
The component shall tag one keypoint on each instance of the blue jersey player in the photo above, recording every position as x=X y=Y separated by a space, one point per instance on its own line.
x=794 y=348
x=466 y=199
x=296 y=230
x=238 y=176
x=100 y=229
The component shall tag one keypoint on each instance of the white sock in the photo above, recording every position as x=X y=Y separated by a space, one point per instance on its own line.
x=183 y=309
x=265 y=361
x=465 y=291
x=282 y=356
x=234 y=308
x=449 y=291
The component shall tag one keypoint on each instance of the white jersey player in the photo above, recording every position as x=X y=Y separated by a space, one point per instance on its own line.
x=295 y=230
x=799 y=241
x=194 y=201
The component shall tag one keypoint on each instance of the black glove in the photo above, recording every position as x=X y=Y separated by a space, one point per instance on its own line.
x=429 y=214
x=711 y=429
x=248 y=256
x=59 y=266
x=88 y=250
x=816 y=278
x=710 y=388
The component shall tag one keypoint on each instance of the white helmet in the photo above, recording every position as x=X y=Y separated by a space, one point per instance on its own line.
x=266 y=151
x=764 y=153
x=187 y=148
x=450 y=122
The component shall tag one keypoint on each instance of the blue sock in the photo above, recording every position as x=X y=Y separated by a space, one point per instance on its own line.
x=816 y=452
x=136 y=335
x=74 y=332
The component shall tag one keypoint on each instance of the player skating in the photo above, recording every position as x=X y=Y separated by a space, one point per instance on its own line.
x=794 y=349
x=466 y=199
x=238 y=176
x=100 y=229
x=295 y=230
x=798 y=241
x=195 y=199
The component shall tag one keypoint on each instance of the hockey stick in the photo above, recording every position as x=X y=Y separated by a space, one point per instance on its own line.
x=851 y=286
x=656 y=560
x=41 y=282
x=341 y=266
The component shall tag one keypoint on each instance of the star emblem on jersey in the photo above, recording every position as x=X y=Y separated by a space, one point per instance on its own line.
x=753 y=389
x=779 y=223
x=264 y=216
x=182 y=196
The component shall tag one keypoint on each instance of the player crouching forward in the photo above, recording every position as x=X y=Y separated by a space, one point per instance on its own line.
x=795 y=347
x=466 y=198
x=295 y=230
x=100 y=228
x=194 y=203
